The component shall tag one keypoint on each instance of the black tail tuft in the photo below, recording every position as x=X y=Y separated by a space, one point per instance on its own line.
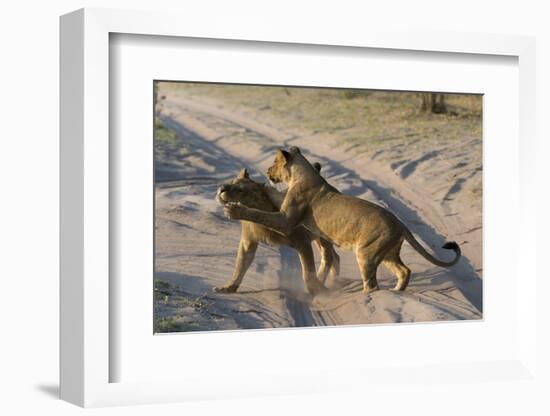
x=451 y=245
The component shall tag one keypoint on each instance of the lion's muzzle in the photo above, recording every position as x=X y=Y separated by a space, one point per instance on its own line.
x=272 y=177
x=222 y=195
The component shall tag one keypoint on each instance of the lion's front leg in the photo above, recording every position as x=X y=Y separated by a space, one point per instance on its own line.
x=330 y=261
x=313 y=286
x=276 y=221
x=245 y=255
x=326 y=260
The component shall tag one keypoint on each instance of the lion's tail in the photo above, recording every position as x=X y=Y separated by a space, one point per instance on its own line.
x=451 y=245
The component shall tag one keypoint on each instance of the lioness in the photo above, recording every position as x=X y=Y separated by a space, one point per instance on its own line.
x=372 y=232
x=264 y=197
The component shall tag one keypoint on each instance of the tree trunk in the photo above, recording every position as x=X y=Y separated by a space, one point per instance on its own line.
x=433 y=103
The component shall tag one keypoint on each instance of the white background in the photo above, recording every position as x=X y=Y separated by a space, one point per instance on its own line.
x=29 y=206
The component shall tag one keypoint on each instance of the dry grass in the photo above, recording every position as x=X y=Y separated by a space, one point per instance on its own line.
x=385 y=124
x=372 y=119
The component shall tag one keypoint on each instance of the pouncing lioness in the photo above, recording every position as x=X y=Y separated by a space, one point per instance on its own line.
x=264 y=197
x=372 y=232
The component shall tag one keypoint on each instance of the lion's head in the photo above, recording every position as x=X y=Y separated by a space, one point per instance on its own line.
x=284 y=162
x=246 y=191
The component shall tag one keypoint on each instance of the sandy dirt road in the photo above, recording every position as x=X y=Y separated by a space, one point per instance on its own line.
x=196 y=245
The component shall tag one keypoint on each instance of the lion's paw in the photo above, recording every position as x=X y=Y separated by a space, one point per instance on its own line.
x=316 y=288
x=225 y=289
x=369 y=290
x=234 y=210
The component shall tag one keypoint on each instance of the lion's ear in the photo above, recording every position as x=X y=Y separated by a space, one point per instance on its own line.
x=284 y=154
x=317 y=166
x=243 y=173
x=293 y=150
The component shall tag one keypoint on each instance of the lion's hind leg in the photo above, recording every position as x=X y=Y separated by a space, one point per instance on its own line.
x=368 y=265
x=394 y=264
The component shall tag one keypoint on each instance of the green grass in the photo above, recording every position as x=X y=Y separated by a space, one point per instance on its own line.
x=163 y=134
x=162 y=288
x=173 y=300
x=175 y=324
x=198 y=303
x=167 y=142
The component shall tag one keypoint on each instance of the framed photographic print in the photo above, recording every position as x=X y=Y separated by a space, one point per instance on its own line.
x=278 y=209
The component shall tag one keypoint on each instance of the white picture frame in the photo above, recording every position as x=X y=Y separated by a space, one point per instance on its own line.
x=85 y=212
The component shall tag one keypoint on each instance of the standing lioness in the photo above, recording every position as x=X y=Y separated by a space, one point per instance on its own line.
x=373 y=233
x=253 y=194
